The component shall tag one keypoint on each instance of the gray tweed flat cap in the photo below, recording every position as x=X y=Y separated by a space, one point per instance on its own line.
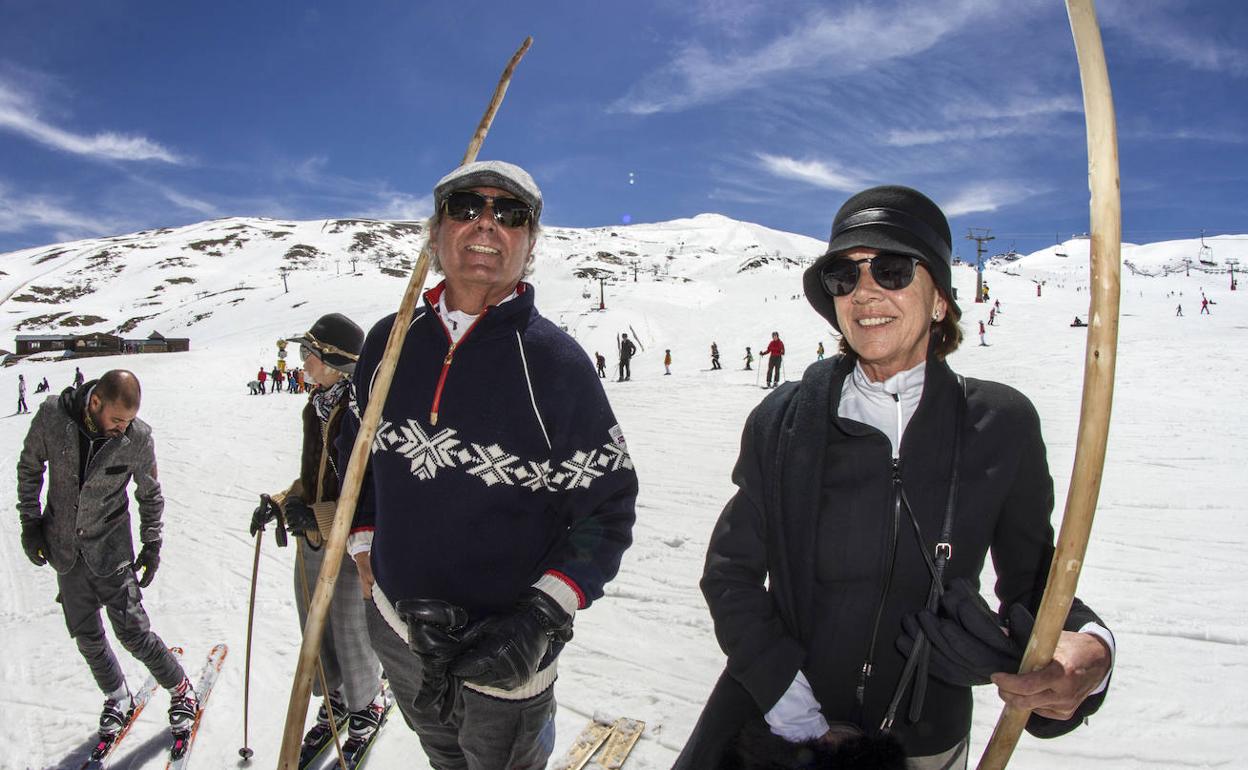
x=491 y=173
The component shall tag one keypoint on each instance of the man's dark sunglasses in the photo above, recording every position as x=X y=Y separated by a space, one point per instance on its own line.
x=466 y=206
x=890 y=271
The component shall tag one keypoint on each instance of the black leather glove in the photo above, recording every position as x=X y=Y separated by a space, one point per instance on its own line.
x=504 y=650
x=968 y=642
x=433 y=628
x=265 y=512
x=147 y=561
x=33 y=541
x=300 y=519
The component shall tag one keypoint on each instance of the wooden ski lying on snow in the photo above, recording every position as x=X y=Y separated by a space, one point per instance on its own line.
x=608 y=744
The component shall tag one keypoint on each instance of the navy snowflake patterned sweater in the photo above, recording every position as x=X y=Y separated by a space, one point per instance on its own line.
x=497 y=462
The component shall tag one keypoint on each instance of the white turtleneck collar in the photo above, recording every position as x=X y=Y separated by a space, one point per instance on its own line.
x=886 y=406
x=457 y=322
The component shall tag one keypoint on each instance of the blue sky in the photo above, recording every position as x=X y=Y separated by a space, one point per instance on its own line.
x=118 y=116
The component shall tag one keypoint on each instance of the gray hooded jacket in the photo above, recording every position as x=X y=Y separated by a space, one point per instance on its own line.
x=91 y=519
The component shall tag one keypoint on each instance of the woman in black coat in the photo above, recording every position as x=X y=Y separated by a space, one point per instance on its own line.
x=843 y=575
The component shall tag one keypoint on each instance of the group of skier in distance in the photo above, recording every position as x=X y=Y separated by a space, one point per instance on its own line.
x=773 y=349
x=499 y=498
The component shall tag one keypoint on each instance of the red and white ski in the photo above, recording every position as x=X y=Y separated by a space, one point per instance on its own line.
x=183 y=740
x=104 y=747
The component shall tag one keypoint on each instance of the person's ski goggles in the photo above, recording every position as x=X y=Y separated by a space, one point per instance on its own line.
x=466 y=206
x=890 y=271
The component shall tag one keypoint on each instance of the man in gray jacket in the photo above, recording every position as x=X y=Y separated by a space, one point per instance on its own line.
x=93 y=444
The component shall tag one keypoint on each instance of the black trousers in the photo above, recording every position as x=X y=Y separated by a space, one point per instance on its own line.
x=83 y=595
x=773 y=365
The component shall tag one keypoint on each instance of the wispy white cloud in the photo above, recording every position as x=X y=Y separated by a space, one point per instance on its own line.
x=835 y=43
x=1164 y=32
x=19 y=114
x=1017 y=108
x=814 y=172
x=367 y=198
x=397 y=205
x=188 y=202
x=987 y=197
x=736 y=18
x=975 y=121
x=25 y=213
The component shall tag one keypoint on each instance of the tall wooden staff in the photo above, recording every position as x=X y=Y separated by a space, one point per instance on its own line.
x=336 y=546
x=1098 y=374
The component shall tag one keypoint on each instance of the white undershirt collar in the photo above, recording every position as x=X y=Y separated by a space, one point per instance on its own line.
x=457 y=322
x=886 y=406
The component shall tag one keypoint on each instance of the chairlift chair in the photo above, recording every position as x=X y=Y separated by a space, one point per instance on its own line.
x=1205 y=255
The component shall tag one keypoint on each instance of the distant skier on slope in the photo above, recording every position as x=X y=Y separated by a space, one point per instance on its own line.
x=92 y=444
x=774 y=349
x=601 y=361
x=667 y=361
x=749 y=359
x=819 y=351
x=21 y=395
x=715 y=357
x=627 y=351
x=982 y=332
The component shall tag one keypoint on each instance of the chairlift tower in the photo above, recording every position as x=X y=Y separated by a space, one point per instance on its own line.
x=1233 y=263
x=602 y=295
x=980 y=236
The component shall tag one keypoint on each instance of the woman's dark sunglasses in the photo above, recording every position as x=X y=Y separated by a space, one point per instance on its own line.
x=890 y=271
x=466 y=206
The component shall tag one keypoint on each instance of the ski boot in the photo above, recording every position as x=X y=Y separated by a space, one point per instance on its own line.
x=321 y=734
x=183 y=706
x=363 y=723
x=118 y=707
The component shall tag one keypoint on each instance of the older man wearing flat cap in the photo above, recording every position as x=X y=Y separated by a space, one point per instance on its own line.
x=500 y=493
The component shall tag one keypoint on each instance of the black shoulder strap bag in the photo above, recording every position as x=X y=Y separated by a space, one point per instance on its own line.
x=917 y=661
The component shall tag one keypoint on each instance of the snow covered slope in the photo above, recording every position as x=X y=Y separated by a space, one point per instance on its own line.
x=1165 y=569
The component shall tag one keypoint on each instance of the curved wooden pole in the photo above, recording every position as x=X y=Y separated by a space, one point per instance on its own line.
x=1098 y=374
x=349 y=495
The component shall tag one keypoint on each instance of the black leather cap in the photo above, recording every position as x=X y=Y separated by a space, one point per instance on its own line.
x=890 y=218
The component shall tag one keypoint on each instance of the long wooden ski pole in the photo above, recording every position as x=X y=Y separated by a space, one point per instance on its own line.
x=245 y=752
x=349 y=495
x=1098 y=375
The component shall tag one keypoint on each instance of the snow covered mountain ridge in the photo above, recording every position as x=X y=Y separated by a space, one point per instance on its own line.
x=188 y=280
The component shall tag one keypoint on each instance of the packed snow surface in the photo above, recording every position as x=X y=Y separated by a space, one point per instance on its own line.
x=1165 y=567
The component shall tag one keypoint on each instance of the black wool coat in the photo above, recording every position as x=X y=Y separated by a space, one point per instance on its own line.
x=798 y=559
